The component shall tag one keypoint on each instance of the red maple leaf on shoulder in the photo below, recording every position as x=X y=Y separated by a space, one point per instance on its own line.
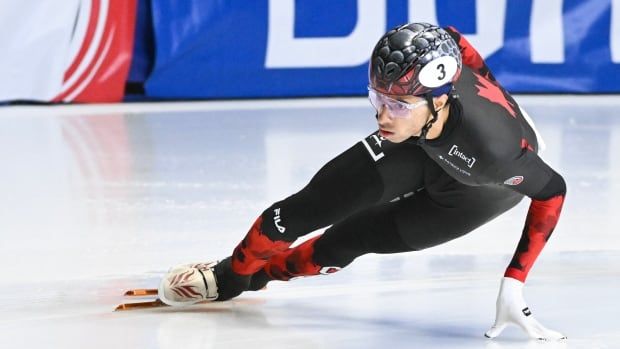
x=493 y=93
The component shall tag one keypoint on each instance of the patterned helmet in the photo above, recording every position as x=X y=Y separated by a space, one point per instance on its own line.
x=414 y=59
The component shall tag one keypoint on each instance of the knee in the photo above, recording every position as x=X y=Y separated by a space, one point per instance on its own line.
x=342 y=243
x=293 y=217
x=328 y=253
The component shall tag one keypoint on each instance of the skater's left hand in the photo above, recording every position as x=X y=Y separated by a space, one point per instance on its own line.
x=511 y=309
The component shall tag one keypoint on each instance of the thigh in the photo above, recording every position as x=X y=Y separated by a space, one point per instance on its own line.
x=386 y=169
x=444 y=210
x=409 y=224
x=401 y=166
x=373 y=230
x=428 y=219
x=371 y=172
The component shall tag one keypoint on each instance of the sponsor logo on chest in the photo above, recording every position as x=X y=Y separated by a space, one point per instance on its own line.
x=469 y=160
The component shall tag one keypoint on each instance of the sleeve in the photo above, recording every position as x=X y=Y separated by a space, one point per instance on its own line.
x=471 y=57
x=531 y=176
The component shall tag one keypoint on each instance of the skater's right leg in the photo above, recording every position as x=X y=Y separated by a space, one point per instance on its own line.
x=370 y=231
x=370 y=172
x=348 y=183
x=417 y=222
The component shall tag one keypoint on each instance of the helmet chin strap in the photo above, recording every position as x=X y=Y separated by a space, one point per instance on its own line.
x=429 y=124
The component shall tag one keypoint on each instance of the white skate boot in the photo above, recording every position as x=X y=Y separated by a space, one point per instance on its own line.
x=189 y=284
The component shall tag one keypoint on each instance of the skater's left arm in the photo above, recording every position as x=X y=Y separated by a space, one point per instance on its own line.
x=547 y=189
x=531 y=176
x=527 y=174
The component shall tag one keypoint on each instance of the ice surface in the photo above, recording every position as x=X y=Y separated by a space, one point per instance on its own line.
x=98 y=199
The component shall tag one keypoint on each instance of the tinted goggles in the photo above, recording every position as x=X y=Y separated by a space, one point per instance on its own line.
x=396 y=108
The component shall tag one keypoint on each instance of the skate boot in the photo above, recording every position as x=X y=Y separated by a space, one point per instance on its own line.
x=193 y=283
x=189 y=284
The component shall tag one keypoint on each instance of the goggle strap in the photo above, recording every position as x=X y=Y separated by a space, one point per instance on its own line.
x=424 y=131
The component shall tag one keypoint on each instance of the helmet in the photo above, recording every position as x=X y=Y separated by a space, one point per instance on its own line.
x=415 y=59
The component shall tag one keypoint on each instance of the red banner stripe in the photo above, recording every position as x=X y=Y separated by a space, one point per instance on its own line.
x=90 y=33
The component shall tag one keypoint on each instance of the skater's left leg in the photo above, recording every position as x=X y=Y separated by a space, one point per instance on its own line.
x=371 y=172
x=411 y=224
x=370 y=231
x=430 y=217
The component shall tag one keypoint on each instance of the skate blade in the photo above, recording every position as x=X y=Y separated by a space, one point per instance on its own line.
x=141 y=305
x=141 y=292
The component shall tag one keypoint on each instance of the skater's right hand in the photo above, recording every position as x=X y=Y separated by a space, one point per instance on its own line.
x=512 y=310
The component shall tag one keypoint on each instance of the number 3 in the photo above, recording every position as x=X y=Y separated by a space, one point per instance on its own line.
x=442 y=71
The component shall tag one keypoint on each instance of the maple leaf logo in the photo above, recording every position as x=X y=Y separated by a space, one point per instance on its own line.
x=493 y=93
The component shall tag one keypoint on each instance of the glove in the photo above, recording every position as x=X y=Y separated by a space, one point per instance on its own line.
x=512 y=310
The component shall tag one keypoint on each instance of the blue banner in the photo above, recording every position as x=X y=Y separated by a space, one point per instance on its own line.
x=290 y=48
x=144 y=46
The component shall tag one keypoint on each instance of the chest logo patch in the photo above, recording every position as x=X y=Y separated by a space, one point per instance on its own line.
x=516 y=180
x=454 y=151
x=373 y=145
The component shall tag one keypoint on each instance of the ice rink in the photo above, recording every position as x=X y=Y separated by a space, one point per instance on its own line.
x=98 y=199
